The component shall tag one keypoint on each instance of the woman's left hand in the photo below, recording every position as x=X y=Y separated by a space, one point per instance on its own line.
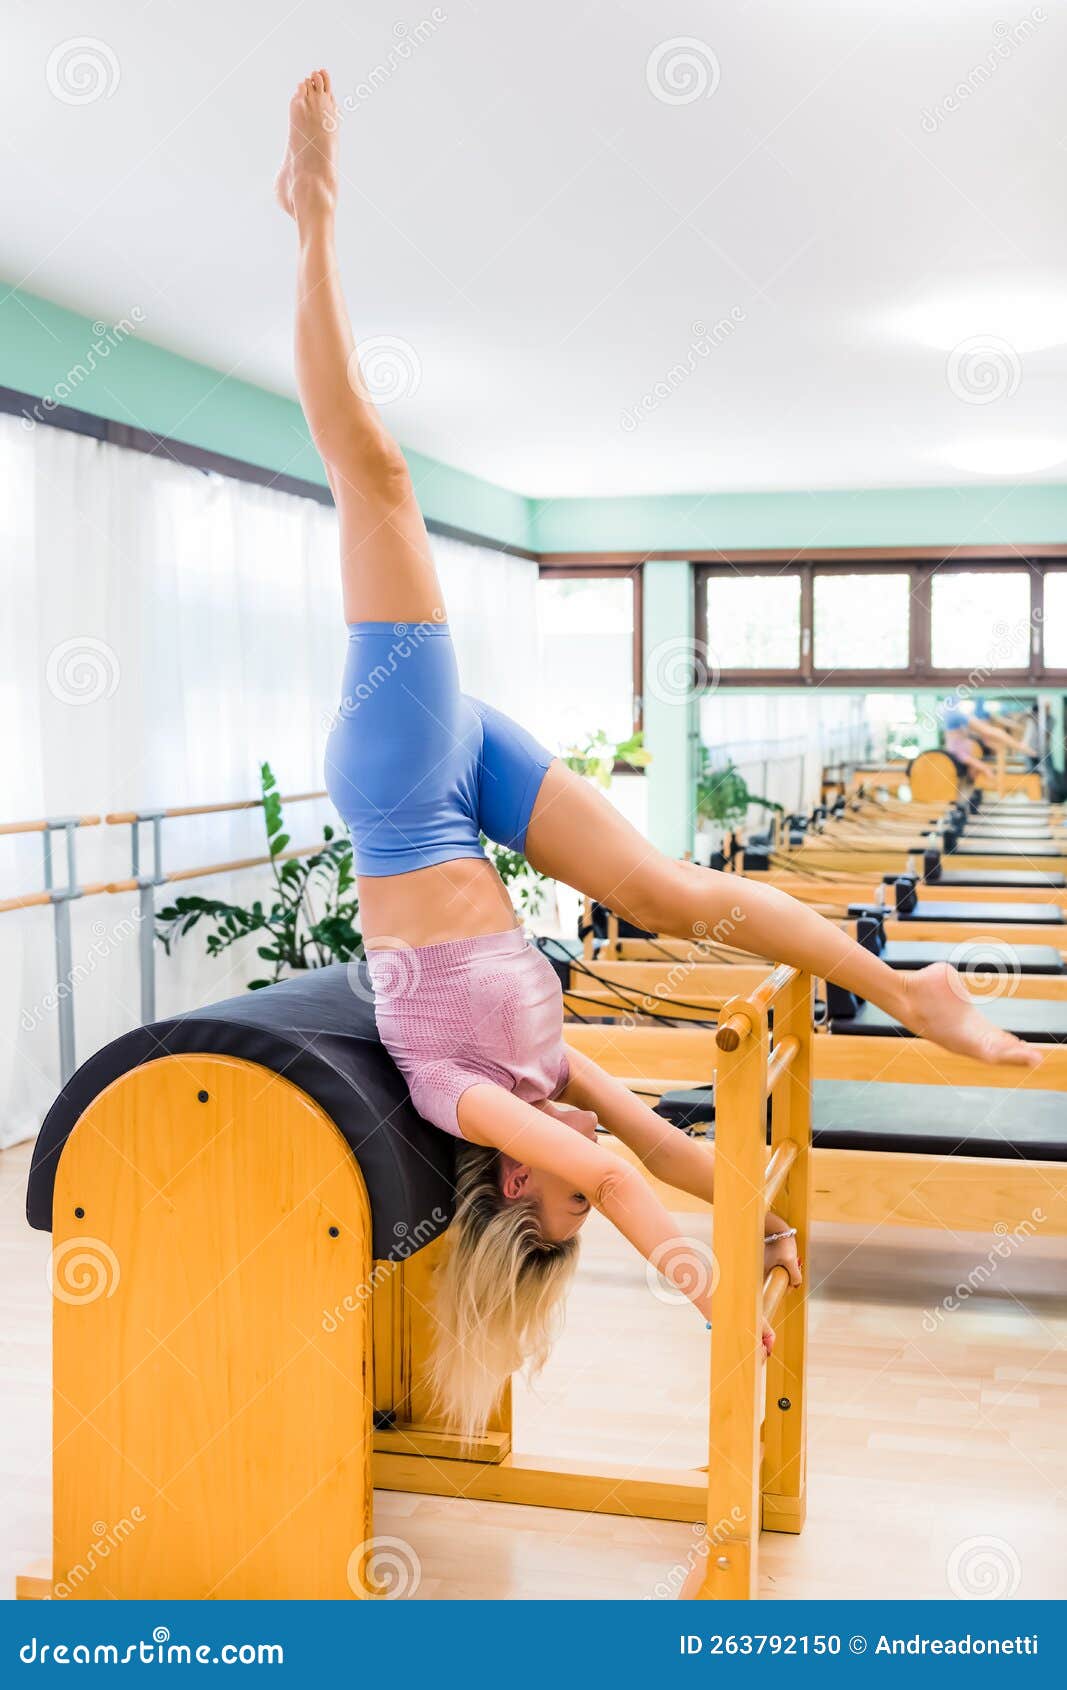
x=784 y=1254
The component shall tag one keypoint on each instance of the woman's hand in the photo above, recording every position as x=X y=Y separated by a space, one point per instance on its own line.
x=782 y=1253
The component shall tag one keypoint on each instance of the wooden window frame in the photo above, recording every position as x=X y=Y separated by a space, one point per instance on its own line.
x=572 y=570
x=921 y=565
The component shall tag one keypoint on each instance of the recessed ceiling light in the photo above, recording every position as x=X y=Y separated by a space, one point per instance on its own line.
x=1006 y=455
x=1028 y=320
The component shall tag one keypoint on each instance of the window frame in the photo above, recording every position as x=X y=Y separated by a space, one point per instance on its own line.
x=988 y=678
x=548 y=570
x=921 y=564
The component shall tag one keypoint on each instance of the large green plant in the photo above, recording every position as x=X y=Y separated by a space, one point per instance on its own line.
x=723 y=795
x=310 y=920
x=313 y=917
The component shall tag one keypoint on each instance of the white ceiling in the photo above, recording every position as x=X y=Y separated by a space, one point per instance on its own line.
x=523 y=211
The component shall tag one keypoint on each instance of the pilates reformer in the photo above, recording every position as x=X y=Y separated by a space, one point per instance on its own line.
x=645 y=976
x=246 y=1216
x=906 y=1149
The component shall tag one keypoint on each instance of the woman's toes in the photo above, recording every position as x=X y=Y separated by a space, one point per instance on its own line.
x=326 y=81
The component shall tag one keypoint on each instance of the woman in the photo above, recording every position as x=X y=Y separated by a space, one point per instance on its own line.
x=469 y=1011
x=960 y=744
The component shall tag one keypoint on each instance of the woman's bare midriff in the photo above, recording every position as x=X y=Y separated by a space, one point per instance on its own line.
x=464 y=899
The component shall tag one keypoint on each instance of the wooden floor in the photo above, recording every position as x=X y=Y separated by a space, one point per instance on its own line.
x=938 y=1459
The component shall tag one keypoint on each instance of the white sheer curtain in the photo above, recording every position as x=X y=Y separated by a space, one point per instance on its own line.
x=781 y=739
x=164 y=633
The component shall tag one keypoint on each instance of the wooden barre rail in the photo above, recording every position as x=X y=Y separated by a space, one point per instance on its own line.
x=775 y=1287
x=781 y=1060
x=47 y=825
x=741 y=1024
x=215 y=868
x=30 y=900
x=778 y=1169
x=117 y=817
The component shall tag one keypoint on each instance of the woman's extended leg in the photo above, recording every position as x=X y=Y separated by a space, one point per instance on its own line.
x=576 y=836
x=387 y=567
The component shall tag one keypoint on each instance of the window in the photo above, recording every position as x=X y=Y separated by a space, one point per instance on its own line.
x=980 y=619
x=588 y=654
x=753 y=622
x=1055 y=619
x=862 y=621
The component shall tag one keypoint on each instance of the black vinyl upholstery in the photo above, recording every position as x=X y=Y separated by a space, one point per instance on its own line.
x=1031 y=1019
x=1008 y=848
x=1017 y=915
x=318 y=1030
x=915 y=1120
x=1026 y=879
x=975 y=956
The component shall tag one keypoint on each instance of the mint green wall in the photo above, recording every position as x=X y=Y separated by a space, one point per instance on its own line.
x=908 y=516
x=670 y=710
x=49 y=352
x=44 y=347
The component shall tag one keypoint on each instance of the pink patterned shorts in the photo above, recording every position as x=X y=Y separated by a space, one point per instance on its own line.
x=467 y=1013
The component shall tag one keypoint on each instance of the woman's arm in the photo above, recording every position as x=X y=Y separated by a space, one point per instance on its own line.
x=669 y=1155
x=535 y=1139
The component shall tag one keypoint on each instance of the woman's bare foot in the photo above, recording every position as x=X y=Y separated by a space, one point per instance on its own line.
x=936 y=1005
x=307 y=179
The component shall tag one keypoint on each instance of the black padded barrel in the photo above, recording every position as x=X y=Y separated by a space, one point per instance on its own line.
x=317 y=1030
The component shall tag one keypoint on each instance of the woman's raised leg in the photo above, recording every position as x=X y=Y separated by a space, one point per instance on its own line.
x=387 y=568
x=576 y=836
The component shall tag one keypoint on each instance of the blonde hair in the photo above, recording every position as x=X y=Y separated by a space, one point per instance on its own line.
x=499 y=1294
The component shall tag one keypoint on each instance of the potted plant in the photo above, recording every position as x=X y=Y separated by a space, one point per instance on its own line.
x=723 y=798
x=597 y=757
x=312 y=917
